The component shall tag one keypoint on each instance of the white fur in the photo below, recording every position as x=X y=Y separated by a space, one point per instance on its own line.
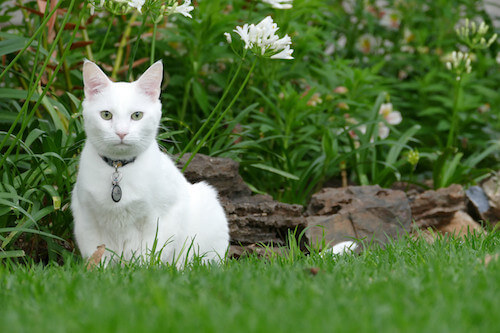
x=157 y=201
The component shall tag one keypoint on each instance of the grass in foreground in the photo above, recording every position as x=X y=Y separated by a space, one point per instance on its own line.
x=410 y=286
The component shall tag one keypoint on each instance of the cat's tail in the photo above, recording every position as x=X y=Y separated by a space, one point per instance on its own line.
x=342 y=248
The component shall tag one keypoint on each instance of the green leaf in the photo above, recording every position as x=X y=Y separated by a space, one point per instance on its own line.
x=12 y=254
x=12 y=45
x=274 y=170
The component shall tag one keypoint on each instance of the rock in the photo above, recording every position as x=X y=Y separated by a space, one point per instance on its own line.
x=222 y=173
x=254 y=219
x=461 y=224
x=359 y=212
x=434 y=208
x=238 y=251
x=491 y=189
x=478 y=199
x=479 y=205
x=260 y=219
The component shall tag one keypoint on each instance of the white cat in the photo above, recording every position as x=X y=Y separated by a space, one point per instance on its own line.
x=128 y=193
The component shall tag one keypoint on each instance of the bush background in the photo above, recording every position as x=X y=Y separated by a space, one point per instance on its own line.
x=292 y=129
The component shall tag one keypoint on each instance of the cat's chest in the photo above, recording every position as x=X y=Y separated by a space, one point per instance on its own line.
x=123 y=195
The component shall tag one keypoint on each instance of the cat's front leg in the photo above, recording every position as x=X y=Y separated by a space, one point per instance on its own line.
x=87 y=234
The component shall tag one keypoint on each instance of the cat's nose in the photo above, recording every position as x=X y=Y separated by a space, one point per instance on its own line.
x=121 y=134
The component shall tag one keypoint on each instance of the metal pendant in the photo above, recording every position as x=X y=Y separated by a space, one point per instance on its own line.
x=116 y=193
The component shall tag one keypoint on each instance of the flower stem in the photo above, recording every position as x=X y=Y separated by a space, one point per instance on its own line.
x=454 y=118
x=217 y=107
x=106 y=35
x=221 y=116
x=121 y=46
x=153 y=44
x=136 y=47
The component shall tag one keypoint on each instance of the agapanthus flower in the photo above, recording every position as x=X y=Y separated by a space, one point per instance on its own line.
x=279 y=4
x=158 y=7
x=459 y=63
x=474 y=35
x=183 y=9
x=137 y=4
x=263 y=41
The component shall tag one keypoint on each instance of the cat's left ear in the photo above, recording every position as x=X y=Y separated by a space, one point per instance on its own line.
x=150 y=81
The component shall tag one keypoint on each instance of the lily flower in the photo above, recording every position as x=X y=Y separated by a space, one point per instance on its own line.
x=391 y=116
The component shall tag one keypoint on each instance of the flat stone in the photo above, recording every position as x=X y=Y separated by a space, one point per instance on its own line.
x=434 y=208
x=260 y=219
x=357 y=212
x=491 y=189
x=461 y=225
x=222 y=173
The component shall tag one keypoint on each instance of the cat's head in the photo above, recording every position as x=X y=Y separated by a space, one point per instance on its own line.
x=121 y=118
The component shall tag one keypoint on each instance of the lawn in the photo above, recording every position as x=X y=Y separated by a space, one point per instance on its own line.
x=409 y=286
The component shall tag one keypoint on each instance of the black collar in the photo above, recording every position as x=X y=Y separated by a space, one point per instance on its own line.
x=116 y=163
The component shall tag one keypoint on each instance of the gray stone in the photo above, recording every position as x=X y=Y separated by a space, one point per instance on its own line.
x=478 y=198
x=357 y=212
x=222 y=173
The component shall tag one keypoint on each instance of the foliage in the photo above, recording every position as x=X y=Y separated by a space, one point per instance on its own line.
x=294 y=125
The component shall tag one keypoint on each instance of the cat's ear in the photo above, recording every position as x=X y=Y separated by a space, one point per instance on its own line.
x=150 y=81
x=94 y=79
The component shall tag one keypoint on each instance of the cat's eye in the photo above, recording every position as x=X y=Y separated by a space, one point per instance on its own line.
x=106 y=115
x=137 y=115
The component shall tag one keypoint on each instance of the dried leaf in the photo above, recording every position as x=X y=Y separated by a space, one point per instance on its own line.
x=43 y=8
x=77 y=45
x=96 y=257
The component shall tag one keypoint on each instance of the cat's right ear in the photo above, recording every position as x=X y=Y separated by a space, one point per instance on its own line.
x=94 y=79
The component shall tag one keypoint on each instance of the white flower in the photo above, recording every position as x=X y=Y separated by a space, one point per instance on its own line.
x=262 y=39
x=228 y=37
x=459 y=62
x=383 y=130
x=279 y=4
x=367 y=43
x=184 y=9
x=392 y=117
x=137 y=4
x=286 y=53
x=390 y=20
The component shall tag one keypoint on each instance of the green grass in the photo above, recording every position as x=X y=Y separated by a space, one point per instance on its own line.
x=410 y=286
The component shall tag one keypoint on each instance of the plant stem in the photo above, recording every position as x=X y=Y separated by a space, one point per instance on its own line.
x=221 y=116
x=454 y=118
x=153 y=44
x=121 y=46
x=106 y=35
x=88 y=49
x=228 y=88
x=187 y=89
x=136 y=47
